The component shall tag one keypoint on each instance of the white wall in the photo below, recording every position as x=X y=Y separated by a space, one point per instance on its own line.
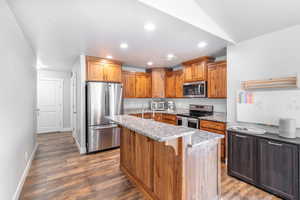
x=17 y=102
x=79 y=133
x=271 y=55
x=66 y=76
x=219 y=104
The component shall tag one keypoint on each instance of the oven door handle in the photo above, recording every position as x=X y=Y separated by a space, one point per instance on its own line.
x=192 y=120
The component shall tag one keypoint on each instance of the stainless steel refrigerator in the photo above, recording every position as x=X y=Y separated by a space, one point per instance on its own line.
x=103 y=99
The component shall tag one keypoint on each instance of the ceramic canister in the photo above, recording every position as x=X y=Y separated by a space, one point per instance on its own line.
x=287 y=128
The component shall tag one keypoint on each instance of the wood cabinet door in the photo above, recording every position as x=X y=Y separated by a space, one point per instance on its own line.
x=217 y=80
x=148 y=85
x=128 y=80
x=170 y=85
x=212 y=83
x=222 y=84
x=144 y=160
x=95 y=71
x=128 y=149
x=179 y=83
x=158 y=117
x=200 y=71
x=158 y=83
x=278 y=168
x=112 y=73
x=242 y=157
x=140 y=85
x=188 y=73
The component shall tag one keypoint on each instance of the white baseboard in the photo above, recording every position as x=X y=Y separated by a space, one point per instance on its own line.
x=24 y=175
x=82 y=150
x=66 y=130
x=51 y=131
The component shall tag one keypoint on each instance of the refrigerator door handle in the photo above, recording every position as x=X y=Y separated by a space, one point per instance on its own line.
x=107 y=100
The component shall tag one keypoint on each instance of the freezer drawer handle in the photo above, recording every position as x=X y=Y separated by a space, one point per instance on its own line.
x=105 y=127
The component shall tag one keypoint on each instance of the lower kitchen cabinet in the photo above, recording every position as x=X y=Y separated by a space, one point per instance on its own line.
x=269 y=164
x=242 y=157
x=278 y=168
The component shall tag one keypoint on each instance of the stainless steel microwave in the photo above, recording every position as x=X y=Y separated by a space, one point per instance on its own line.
x=195 y=89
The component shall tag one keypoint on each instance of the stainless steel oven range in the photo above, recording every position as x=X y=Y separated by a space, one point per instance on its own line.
x=191 y=119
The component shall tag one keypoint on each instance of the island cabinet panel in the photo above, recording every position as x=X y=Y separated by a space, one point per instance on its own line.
x=216 y=127
x=217 y=80
x=158 y=83
x=144 y=160
x=205 y=170
x=171 y=170
x=128 y=152
x=167 y=172
x=278 y=168
x=242 y=156
x=155 y=167
x=128 y=80
x=99 y=69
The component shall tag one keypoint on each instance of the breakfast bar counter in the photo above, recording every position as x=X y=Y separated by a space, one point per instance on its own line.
x=168 y=162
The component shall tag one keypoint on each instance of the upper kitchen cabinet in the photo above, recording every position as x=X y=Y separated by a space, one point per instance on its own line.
x=143 y=85
x=196 y=70
x=128 y=80
x=174 y=83
x=99 y=69
x=217 y=80
x=178 y=83
x=158 y=83
x=170 y=84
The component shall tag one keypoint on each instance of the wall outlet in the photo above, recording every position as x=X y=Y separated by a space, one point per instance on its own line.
x=26 y=156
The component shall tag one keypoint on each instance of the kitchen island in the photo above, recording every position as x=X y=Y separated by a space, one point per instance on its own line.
x=168 y=162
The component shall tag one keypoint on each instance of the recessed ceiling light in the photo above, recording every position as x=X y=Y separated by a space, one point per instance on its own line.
x=149 y=63
x=170 y=56
x=202 y=44
x=109 y=57
x=149 y=27
x=123 y=45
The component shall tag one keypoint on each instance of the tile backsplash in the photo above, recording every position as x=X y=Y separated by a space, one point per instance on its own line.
x=219 y=104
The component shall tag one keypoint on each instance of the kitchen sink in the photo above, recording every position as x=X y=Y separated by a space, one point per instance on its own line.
x=252 y=130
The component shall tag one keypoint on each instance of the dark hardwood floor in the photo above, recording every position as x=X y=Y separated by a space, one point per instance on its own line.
x=59 y=172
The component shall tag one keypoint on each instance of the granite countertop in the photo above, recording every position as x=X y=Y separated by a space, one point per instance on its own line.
x=155 y=130
x=217 y=117
x=163 y=132
x=202 y=137
x=271 y=131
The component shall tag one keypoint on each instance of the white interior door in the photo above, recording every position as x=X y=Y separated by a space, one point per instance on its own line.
x=50 y=105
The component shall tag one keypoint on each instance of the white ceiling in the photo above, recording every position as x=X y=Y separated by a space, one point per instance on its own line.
x=233 y=20
x=244 y=20
x=61 y=30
